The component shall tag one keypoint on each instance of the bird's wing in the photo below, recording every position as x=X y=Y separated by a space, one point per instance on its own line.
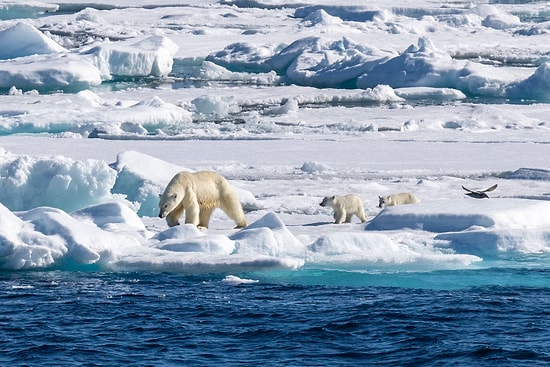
x=490 y=188
x=467 y=189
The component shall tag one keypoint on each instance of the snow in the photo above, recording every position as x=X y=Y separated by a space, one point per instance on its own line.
x=102 y=105
x=24 y=40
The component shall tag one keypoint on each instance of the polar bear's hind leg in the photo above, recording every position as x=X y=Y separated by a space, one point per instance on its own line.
x=348 y=217
x=339 y=216
x=231 y=206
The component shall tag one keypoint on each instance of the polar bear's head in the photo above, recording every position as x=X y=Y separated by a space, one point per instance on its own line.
x=382 y=201
x=327 y=201
x=168 y=202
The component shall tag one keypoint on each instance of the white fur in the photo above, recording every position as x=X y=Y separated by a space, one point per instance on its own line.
x=397 y=199
x=345 y=207
x=198 y=194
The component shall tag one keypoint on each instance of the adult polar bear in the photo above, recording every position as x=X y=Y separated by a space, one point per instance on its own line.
x=198 y=194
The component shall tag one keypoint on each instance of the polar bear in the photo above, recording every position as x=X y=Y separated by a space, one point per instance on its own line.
x=397 y=199
x=198 y=194
x=345 y=207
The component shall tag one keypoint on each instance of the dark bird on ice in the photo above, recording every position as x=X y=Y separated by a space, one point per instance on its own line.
x=479 y=194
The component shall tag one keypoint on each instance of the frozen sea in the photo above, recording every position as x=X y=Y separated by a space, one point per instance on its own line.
x=102 y=102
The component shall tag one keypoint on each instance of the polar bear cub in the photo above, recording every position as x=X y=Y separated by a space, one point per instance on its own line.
x=345 y=207
x=397 y=199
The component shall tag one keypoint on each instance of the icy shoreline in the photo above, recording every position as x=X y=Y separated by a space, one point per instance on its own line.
x=107 y=233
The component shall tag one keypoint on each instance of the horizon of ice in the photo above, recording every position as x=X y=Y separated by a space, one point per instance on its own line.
x=25 y=9
x=106 y=232
x=337 y=64
x=304 y=62
x=153 y=116
x=316 y=61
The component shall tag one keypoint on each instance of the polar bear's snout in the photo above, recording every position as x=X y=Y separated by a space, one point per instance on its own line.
x=163 y=211
x=325 y=201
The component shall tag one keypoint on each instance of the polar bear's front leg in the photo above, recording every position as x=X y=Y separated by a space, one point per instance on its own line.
x=339 y=216
x=192 y=213
x=173 y=217
x=204 y=216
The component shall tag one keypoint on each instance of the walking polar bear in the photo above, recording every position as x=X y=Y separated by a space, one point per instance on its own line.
x=198 y=194
x=345 y=207
x=397 y=199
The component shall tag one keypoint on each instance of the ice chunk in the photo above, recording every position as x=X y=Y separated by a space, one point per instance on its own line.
x=151 y=56
x=28 y=182
x=23 y=39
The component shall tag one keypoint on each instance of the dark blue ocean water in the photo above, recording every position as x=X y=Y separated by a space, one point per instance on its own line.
x=62 y=318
